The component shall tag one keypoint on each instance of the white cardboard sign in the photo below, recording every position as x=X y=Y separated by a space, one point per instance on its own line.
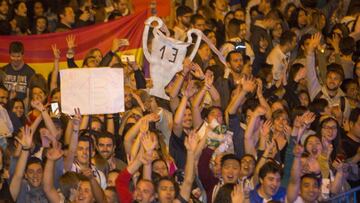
x=93 y=90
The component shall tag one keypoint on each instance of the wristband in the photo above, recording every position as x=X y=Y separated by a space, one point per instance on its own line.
x=25 y=149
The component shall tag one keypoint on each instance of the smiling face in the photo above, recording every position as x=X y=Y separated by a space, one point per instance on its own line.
x=230 y=171
x=34 y=174
x=82 y=152
x=106 y=147
x=309 y=189
x=247 y=166
x=270 y=184
x=84 y=193
x=4 y=7
x=40 y=25
x=187 y=120
x=38 y=94
x=18 y=109
x=144 y=192
x=329 y=130
x=21 y=10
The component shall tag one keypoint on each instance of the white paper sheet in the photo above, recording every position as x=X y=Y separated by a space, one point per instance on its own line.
x=93 y=90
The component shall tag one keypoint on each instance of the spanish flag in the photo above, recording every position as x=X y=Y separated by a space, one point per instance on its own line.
x=38 y=53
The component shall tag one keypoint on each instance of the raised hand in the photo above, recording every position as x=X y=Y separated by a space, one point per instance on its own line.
x=144 y=126
x=260 y=111
x=152 y=117
x=259 y=89
x=36 y=104
x=209 y=79
x=187 y=66
x=27 y=138
x=270 y=149
x=76 y=119
x=85 y=16
x=196 y=71
x=308 y=117
x=335 y=42
x=56 y=51
x=189 y=90
x=55 y=152
x=133 y=65
x=248 y=84
x=327 y=148
x=266 y=128
x=191 y=142
x=148 y=142
x=238 y=195
x=298 y=150
x=118 y=43
x=314 y=41
x=87 y=172
x=287 y=130
x=70 y=40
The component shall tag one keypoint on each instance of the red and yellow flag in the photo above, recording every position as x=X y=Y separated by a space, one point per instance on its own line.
x=38 y=53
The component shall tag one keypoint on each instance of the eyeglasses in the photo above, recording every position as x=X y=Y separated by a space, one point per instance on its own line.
x=329 y=127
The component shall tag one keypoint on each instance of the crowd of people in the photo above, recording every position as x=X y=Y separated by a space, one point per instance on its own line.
x=279 y=122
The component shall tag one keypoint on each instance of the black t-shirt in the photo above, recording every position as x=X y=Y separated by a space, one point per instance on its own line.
x=177 y=149
x=350 y=146
x=19 y=77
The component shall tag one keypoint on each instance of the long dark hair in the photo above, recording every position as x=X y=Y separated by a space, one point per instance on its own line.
x=335 y=142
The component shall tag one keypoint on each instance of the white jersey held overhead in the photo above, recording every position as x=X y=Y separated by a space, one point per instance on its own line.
x=167 y=54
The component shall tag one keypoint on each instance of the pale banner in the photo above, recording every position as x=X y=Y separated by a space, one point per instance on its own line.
x=93 y=90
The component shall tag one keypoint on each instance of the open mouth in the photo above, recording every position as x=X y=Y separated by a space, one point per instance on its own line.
x=314 y=151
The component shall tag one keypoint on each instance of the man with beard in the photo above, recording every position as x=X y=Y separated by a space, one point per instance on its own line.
x=334 y=76
x=224 y=85
x=8 y=120
x=183 y=16
x=105 y=145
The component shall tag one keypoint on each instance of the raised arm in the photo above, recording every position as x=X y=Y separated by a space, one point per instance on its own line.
x=268 y=153
x=191 y=145
x=97 y=191
x=55 y=71
x=110 y=127
x=46 y=117
x=69 y=159
x=180 y=111
x=262 y=100
x=70 y=40
x=293 y=189
x=148 y=144
x=196 y=109
x=249 y=132
x=26 y=143
x=134 y=130
x=336 y=185
x=313 y=84
x=52 y=155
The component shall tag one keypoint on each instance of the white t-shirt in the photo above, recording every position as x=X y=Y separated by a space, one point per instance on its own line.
x=99 y=175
